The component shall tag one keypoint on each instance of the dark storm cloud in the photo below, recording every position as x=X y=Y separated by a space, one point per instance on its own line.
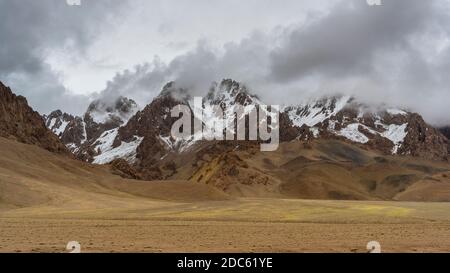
x=397 y=54
x=196 y=70
x=383 y=55
x=389 y=48
x=29 y=29
x=346 y=41
x=141 y=83
x=45 y=93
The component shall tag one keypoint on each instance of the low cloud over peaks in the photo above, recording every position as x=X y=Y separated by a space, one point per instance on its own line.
x=32 y=30
x=396 y=54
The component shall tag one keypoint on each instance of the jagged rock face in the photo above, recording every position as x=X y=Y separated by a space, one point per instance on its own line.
x=390 y=131
x=154 y=125
x=123 y=169
x=70 y=129
x=424 y=141
x=75 y=133
x=445 y=131
x=151 y=127
x=85 y=136
x=101 y=116
x=20 y=122
x=229 y=93
x=55 y=121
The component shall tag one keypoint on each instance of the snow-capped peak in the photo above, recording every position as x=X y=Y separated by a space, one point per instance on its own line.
x=314 y=112
x=120 y=110
x=345 y=117
x=57 y=121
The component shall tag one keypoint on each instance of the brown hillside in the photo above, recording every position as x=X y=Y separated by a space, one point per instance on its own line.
x=20 y=122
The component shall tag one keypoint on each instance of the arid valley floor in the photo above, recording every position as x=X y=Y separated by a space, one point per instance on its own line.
x=275 y=226
x=48 y=200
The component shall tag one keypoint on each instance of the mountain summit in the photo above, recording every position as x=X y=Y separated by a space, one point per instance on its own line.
x=81 y=134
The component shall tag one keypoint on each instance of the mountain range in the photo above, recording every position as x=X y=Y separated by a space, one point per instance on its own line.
x=119 y=130
x=331 y=148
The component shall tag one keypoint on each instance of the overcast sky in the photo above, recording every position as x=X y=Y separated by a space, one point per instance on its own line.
x=62 y=56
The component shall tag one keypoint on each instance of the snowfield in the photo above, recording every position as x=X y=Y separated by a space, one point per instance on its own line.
x=126 y=151
x=313 y=114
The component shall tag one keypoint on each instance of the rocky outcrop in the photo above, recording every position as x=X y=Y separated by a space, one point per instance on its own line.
x=20 y=122
x=445 y=131
x=69 y=129
x=423 y=140
x=122 y=168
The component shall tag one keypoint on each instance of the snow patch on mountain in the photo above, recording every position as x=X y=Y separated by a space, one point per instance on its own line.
x=52 y=123
x=57 y=122
x=126 y=150
x=313 y=113
x=58 y=131
x=84 y=133
x=168 y=141
x=396 y=134
x=352 y=133
x=315 y=131
x=105 y=141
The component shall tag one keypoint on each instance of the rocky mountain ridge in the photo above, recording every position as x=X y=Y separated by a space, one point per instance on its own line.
x=20 y=122
x=145 y=141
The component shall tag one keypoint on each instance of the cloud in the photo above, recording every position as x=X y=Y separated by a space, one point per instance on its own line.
x=45 y=93
x=397 y=53
x=141 y=83
x=30 y=30
x=392 y=54
x=196 y=70
x=347 y=40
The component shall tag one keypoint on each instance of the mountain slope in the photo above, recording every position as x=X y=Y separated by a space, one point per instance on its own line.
x=320 y=169
x=33 y=177
x=20 y=122
x=445 y=131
